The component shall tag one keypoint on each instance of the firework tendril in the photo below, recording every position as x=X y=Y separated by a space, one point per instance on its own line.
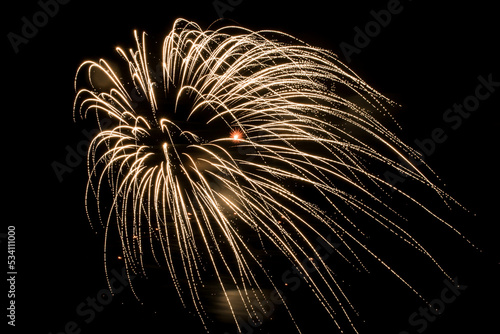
x=247 y=143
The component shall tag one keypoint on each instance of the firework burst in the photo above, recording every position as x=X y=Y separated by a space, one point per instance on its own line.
x=247 y=143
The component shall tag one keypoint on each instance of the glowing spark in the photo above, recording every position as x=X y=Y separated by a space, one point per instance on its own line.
x=182 y=193
x=236 y=135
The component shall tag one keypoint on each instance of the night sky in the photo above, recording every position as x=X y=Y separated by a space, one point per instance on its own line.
x=426 y=57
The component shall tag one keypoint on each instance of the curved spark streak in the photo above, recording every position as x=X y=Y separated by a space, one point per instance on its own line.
x=286 y=117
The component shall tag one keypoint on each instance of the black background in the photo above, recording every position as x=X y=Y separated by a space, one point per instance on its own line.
x=428 y=58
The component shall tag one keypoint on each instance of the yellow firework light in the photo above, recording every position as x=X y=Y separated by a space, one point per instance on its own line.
x=243 y=142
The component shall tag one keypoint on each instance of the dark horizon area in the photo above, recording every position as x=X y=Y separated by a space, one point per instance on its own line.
x=428 y=58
